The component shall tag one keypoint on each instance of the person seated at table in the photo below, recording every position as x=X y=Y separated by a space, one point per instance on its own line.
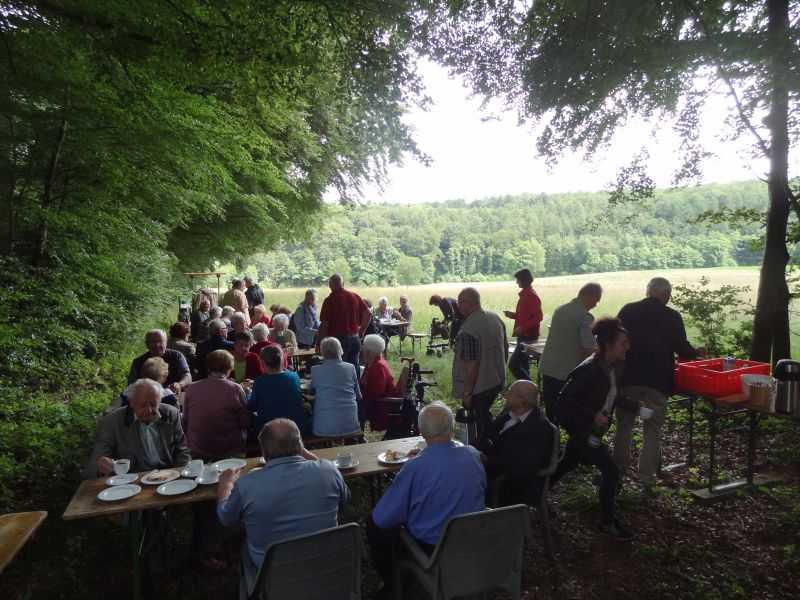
x=198 y=317
x=146 y=432
x=227 y=313
x=238 y=325
x=179 y=340
x=214 y=313
x=260 y=316
x=215 y=415
x=273 y=309
x=261 y=340
x=276 y=393
x=179 y=374
x=294 y=494
x=519 y=445
x=442 y=482
x=404 y=311
x=281 y=334
x=337 y=400
x=306 y=320
x=584 y=408
x=384 y=311
x=217 y=340
x=376 y=382
x=247 y=365
x=155 y=369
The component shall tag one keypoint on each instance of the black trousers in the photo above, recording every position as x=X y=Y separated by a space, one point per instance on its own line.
x=578 y=451
x=550 y=389
x=481 y=411
x=520 y=363
x=381 y=546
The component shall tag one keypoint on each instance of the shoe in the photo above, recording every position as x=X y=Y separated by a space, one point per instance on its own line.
x=617 y=530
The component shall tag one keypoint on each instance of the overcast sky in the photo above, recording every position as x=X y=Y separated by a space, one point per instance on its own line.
x=475 y=158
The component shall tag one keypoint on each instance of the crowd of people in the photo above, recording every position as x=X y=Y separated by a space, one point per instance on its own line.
x=229 y=367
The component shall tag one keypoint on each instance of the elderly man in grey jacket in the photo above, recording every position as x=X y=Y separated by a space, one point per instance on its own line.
x=146 y=432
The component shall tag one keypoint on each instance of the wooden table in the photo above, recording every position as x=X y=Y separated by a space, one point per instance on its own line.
x=15 y=531
x=300 y=355
x=85 y=505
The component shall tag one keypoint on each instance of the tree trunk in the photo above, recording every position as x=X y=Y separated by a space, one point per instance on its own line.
x=771 y=323
x=40 y=249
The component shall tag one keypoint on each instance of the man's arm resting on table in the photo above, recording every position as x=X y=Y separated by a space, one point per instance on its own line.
x=229 y=502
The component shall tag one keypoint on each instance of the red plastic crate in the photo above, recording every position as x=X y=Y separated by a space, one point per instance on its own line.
x=706 y=377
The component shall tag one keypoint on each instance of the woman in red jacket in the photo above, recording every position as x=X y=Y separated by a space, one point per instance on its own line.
x=247 y=365
x=376 y=382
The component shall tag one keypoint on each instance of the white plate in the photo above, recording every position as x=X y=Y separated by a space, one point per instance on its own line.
x=352 y=465
x=399 y=461
x=262 y=460
x=122 y=479
x=169 y=475
x=203 y=481
x=177 y=487
x=119 y=492
x=230 y=463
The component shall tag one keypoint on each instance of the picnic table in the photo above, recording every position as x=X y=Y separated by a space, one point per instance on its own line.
x=15 y=531
x=300 y=355
x=85 y=505
x=723 y=408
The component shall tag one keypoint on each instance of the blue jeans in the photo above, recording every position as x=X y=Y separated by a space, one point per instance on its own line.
x=519 y=364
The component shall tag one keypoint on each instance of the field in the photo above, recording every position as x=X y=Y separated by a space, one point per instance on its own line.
x=619 y=289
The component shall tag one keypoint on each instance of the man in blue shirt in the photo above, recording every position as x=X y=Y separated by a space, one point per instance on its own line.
x=294 y=494
x=443 y=481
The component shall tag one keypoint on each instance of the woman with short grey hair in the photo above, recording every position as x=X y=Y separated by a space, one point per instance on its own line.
x=281 y=334
x=337 y=403
x=377 y=383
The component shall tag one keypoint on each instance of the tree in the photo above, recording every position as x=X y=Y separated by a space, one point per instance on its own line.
x=409 y=270
x=583 y=68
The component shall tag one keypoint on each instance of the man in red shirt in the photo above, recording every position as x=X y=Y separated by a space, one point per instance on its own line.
x=345 y=317
x=527 y=318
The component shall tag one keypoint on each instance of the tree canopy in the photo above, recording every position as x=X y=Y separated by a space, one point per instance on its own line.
x=141 y=138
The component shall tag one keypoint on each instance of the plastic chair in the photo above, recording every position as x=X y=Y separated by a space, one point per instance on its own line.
x=547 y=473
x=323 y=565
x=477 y=553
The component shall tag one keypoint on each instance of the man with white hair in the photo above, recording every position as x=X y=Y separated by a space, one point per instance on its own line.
x=656 y=334
x=519 y=444
x=444 y=481
x=345 y=316
x=146 y=432
x=179 y=375
x=479 y=359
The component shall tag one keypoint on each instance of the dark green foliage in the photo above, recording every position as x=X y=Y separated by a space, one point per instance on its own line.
x=493 y=238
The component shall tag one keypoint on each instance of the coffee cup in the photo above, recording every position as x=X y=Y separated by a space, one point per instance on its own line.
x=195 y=467
x=122 y=466
x=344 y=459
x=209 y=473
x=645 y=412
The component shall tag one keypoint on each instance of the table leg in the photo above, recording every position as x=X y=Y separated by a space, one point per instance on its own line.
x=751 y=446
x=136 y=535
x=690 y=401
x=712 y=451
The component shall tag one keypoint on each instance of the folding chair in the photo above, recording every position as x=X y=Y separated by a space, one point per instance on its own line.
x=477 y=553
x=320 y=566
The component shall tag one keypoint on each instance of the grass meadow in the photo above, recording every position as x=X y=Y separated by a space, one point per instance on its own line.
x=619 y=288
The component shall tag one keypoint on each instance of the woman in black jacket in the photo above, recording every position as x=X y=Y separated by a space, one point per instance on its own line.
x=584 y=408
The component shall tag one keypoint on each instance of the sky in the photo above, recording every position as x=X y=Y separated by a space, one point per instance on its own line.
x=474 y=157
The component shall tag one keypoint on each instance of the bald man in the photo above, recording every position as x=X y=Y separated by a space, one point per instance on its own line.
x=519 y=444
